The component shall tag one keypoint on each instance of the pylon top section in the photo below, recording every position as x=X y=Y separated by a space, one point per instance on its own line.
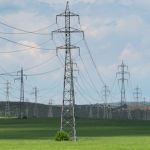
x=68 y=13
x=67 y=7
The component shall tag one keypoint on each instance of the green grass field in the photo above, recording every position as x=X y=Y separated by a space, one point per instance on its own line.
x=38 y=134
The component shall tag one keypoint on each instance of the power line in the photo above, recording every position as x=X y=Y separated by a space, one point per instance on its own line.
x=82 y=95
x=90 y=79
x=88 y=93
x=25 y=31
x=40 y=64
x=95 y=66
x=14 y=42
x=84 y=82
x=91 y=56
x=36 y=74
x=24 y=50
x=43 y=73
x=26 y=69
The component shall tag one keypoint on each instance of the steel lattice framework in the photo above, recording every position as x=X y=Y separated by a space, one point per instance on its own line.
x=68 y=105
x=105 y=95
x=123 y=78
x=123 y=73
x=7 y=106
x=21 y=104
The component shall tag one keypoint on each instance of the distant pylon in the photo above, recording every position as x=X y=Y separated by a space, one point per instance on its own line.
x=7 y=106
x=109 y=112
x=137 y=94
x=35 y=111
x=123 y=78
x=68 y=105
x=21 y=104
x=91 y=111
x=50 y=109
x=105 y=95
x=145 y=109
x=98 y=111
x=27 y=108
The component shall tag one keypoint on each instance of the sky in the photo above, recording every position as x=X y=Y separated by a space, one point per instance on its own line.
x=115 y=30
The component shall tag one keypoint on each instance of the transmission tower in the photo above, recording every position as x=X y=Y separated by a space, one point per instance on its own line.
x=35 y=111
x=7 y=106
x=105 y=95
x=91 y=111
x=137 y=95
x=123 y=75
x=110 y=111
x=145 y=109
x=21 y=105
x=68 y=106
x=98 y=111
x=50 y=109
x=27 y=108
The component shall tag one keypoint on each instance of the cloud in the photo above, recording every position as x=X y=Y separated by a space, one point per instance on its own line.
x=129 y=26
x=29 y=21
x=126 y=2
x=130 y=54
x=108 y=71
x=23 y=59
x=78 y=1
x=142 y=3
x=26 y=20
x=136 y=61
x=100 y=27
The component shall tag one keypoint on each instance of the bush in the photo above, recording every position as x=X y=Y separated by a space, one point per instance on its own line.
x=24 y=117
x=62 y=136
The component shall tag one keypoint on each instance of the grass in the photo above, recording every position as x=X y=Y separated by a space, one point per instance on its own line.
x=38 y=134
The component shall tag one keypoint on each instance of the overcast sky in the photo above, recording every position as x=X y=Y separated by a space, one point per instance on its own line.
x=115 y=30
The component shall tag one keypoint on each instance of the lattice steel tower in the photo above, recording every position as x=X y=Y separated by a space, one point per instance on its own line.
x=137 y=95
x=35 y=111
x=7 y=106
x=50 y=109
x=21 y=104
x=105 y=95
x=68 y=106
x=123 y=79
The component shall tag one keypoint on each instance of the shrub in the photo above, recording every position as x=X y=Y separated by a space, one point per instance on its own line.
x=24 y=117
x=62 y=136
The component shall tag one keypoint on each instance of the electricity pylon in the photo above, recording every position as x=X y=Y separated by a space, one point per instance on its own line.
x=123 y=78
x=91 y=111
x=27 y=108
x=98 y=111
x=68 y=106
x=50 y=109
x=35 y=110
x=7 y=106
x=105 y=95
x=137 y=95
x=110 y=111
x=21 y=104
x=145 y=109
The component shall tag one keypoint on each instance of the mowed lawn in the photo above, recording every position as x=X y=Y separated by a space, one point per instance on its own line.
x=93 y=134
